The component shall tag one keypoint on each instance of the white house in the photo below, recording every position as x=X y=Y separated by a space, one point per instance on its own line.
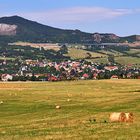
x=6 y=77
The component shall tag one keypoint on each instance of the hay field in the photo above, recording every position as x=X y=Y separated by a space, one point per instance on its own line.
x=122 y=58
x=46 y=46
x=81 y=54
x=28 y=110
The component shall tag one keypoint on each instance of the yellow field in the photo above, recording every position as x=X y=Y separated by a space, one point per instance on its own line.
x=27 y=110
x=80 y=54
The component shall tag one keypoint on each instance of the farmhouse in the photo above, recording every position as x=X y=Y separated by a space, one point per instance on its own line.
x=85 y=76
x=111 y=68
x=6 y=77
x=114 y=77
x=128 y=75
x=95 y=75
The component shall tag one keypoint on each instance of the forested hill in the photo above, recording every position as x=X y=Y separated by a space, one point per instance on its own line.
x=16 y=28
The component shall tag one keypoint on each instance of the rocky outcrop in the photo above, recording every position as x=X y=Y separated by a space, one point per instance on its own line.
x=97 y=37
x=137 y=37
x=7 y=29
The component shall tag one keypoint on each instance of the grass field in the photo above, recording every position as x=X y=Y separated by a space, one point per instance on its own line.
x=119 y=58
x=127 y=60
x=80 y=54
x=6 y=58
x=28 y=110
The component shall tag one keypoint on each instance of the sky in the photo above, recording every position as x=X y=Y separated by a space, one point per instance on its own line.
x=121 y=17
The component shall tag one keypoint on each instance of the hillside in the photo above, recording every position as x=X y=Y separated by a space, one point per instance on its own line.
x=16 y=28
x=125 y=57
x=32 y=31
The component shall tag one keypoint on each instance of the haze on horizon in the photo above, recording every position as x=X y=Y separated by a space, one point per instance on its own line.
x=103 y=16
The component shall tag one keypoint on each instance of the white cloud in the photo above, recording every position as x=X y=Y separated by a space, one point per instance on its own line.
x=78 y=15
x=137 y=10
x=75 y=15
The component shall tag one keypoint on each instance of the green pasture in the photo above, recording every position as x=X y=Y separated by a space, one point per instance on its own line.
x=28 y=110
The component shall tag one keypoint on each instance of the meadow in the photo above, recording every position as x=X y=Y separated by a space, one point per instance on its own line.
x=124 y=58
x=28 y=110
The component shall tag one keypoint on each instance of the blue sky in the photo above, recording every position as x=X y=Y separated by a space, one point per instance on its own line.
x=121 y=17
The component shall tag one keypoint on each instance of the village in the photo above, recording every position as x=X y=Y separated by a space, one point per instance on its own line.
x=35 y=70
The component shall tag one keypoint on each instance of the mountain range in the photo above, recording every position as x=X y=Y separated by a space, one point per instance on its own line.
x=16 y=28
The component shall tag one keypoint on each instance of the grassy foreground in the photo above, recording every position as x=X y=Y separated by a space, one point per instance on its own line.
x=28 y=110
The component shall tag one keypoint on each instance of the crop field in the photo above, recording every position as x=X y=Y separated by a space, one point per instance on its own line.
x=46 y=46
x=28 y=110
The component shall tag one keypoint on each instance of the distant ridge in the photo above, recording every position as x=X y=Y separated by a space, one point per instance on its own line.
x=32 y=31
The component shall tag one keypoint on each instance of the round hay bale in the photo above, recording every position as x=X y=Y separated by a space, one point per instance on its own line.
x=117 y=117
x=68 y=100
x=129 y=117
x=122 y=117
x=1 y=102
x=58 y=107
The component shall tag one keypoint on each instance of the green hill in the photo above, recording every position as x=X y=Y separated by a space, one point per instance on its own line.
x=35 y=32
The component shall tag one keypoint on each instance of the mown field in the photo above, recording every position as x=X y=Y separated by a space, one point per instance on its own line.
x=125 y=58
x=28 y=110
